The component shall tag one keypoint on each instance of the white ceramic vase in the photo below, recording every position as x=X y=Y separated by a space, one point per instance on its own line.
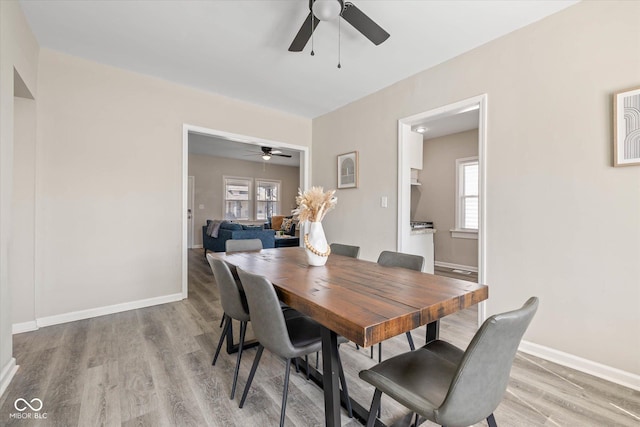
x=316 y=240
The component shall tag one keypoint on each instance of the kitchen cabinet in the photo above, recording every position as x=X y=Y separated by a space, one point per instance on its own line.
x=415 y=150
x=420 y=242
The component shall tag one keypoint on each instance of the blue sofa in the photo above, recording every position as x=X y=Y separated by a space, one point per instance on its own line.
x=231 y=230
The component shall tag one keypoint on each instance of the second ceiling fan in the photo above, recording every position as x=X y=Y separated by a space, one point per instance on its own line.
x=325 y=10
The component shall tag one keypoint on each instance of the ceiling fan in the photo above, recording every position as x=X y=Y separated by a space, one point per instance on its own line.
x=326 y=10
x=267 y=152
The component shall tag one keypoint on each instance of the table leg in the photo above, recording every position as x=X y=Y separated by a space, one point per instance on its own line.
x=433 y=331
x=330 y=378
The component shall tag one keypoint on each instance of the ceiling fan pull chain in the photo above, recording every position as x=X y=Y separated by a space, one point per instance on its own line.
x=312 y=19
x=339 y=66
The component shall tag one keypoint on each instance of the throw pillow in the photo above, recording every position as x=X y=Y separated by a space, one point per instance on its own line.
x=213 y=228
x=286 y=225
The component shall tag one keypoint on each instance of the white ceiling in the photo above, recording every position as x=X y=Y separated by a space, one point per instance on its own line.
x=213 y=146
x=449 y=124
x=239 y=48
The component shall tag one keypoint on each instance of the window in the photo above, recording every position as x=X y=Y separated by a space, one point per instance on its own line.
x=237 y=198
x=467 y=202
x=267 y=198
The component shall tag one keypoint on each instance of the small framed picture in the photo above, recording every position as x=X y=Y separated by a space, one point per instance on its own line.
x=348 y=170
x=626 y=127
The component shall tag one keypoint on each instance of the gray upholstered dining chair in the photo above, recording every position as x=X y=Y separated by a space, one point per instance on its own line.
x=288 y=338
x=447 y=385
x=238 y=245
x=234 y=306
x=408 y=261
x=346 y=250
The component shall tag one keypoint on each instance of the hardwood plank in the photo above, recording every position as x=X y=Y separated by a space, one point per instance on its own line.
x=100 y=405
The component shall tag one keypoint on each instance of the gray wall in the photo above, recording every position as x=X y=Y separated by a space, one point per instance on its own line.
x=562 y=223
x=208 y=172
x=435 y=199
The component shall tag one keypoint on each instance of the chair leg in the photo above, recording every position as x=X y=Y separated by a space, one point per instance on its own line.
x=345 y=390
x=243 y=331
x=306 y=361
x=222 y=320
x=372 y=352
x=491 y=420
x=375 y=404
x=285 y=391
x=379 y=352
x=410 y=339
x=254 y=367
x=225 y=331
x=297 y=366
x=317 y=352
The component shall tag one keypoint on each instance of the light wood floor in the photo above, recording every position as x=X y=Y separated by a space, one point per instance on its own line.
x=152 y=367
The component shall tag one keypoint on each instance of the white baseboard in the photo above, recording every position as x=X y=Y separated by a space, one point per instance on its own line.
x=8 y=371
x=19 y=328
x=95 y=312
x=196 y=246
x=455 y=266
x=615 y=375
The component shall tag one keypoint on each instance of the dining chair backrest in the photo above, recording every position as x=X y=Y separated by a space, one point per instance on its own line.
x=398 y=259
x=267 y=319
x=483 y=373
x=238 y=245
x=346 y=250
x=230 y=295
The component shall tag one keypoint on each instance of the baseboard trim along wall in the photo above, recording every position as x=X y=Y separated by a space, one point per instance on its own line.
x=18 y=328
x=8 y=371
x=618 y=376
x=93 y=312
x=455 y=266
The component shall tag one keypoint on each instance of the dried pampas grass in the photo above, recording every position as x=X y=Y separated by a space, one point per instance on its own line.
x=314 y=204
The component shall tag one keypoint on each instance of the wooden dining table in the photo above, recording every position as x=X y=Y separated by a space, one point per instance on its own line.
x=361 y=300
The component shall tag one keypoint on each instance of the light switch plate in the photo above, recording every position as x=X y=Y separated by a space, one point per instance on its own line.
x=383 y=201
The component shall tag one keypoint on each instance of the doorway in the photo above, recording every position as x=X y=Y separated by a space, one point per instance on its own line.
x=406 y=127
x=304 y=176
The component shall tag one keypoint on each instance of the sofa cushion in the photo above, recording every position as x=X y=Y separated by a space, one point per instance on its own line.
x=252 y=227
x=231 y=226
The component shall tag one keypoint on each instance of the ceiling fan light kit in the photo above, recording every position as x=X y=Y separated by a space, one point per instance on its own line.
x=327 y=10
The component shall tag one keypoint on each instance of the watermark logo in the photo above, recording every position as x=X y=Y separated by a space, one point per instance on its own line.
x=28 y=409
x=22 y=404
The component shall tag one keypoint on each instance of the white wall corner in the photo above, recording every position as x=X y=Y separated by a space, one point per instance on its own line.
x=608 y=373
x=8 y=371
x=102 y=311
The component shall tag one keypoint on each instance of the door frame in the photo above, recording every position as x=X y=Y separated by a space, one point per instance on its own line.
x=305 y=176
x=404 y=178
x=191 y=188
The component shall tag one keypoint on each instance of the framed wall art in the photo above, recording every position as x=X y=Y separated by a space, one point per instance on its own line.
x=626 y=127
x=348 y=170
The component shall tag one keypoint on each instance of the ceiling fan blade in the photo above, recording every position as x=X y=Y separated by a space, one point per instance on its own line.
x=364 y=24
x=282 y=155
x=304 y=34
x=276 y=151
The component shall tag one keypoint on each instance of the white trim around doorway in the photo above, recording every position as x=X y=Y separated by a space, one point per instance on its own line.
x=404 y=178
x=305 y=176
